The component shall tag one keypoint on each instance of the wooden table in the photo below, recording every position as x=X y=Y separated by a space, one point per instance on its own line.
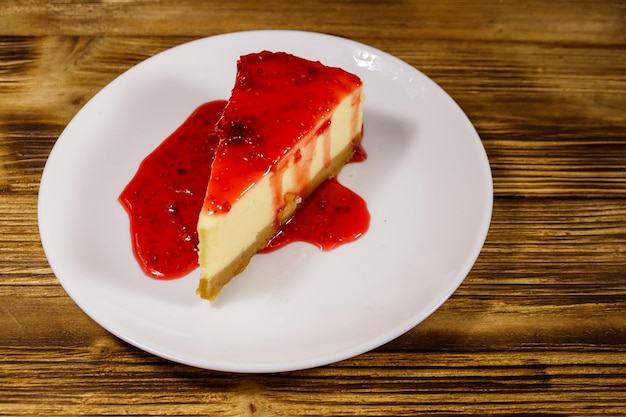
x=539 y=325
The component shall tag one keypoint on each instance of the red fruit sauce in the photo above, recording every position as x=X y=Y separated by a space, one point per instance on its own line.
x=256 y=137
x=165 y=197
x=331 y=216
x=166 y=194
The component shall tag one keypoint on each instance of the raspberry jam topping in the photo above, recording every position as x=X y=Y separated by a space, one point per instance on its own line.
x=302 y=94
x=166 y=194
x=331 y=216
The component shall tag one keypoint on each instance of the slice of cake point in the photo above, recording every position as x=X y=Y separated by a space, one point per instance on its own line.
x=289 y=125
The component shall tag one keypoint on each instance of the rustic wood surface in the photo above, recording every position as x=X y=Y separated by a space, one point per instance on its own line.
x=537 y=328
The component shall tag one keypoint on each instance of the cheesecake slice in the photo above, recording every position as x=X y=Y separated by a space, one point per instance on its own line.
x=289 y=125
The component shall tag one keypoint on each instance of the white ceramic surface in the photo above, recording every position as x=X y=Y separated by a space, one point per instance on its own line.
x=427 y=183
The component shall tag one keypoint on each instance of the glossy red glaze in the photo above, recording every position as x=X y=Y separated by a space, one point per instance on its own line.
x=166 y=194
x=301 y=96
x=332 y=216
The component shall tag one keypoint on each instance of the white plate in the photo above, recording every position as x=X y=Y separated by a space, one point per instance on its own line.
x=427 y=183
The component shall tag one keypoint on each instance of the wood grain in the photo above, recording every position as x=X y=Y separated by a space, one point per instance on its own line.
x=537 y=328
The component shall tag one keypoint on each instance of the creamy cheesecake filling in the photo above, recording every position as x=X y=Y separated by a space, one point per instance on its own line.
x=228 y=240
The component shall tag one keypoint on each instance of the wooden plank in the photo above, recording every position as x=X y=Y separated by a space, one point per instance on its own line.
x=555 y=21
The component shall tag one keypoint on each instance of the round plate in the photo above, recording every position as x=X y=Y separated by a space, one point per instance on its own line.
x=427 y=183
